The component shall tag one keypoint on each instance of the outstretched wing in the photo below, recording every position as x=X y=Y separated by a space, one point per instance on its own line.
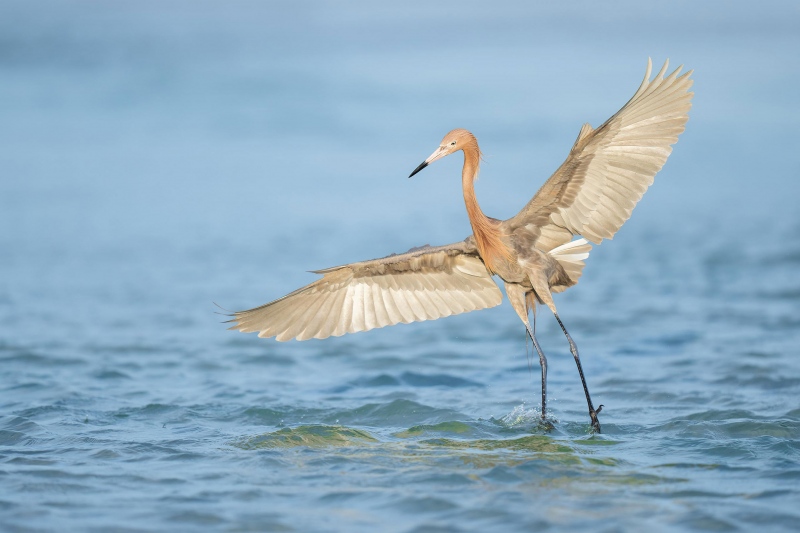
x=608 y=169
x=423 y=284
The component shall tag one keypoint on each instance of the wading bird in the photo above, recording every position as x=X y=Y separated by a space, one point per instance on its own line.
x=535 y=254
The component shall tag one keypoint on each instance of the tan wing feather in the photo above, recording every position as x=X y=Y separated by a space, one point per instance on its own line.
x=423 y=284
x=609 y=169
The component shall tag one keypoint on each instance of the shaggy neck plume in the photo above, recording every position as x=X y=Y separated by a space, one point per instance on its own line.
x=487 y=232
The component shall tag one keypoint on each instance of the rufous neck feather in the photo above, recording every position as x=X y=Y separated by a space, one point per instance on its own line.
x=487 y=231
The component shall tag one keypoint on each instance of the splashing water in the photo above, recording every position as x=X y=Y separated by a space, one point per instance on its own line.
x=523 y=417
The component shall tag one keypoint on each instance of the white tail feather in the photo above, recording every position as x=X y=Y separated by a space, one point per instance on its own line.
x=579 y=249
x=571 y=256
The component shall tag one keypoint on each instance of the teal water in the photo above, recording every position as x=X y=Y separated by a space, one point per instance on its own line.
x=155 y=159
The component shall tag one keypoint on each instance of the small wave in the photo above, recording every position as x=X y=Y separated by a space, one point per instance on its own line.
x=313 y=436
x=399 y=413
x=445 y=428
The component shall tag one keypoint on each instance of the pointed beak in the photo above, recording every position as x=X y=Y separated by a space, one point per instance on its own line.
x=438 y=154
x=420 y=167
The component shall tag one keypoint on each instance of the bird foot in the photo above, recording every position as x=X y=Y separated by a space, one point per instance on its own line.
x=595 y=421
x=545 y=424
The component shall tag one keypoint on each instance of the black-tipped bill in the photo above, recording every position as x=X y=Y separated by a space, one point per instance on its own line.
x=420 y=167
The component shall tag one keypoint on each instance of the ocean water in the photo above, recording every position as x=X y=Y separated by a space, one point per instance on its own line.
x=158 y=158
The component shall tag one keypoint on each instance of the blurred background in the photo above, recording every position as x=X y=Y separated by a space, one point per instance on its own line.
x=156 y=157
x=227 y=126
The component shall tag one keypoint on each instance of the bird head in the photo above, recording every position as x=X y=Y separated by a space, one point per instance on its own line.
x=453 y=142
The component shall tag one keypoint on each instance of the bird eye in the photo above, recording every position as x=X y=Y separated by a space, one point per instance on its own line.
x=453 y=143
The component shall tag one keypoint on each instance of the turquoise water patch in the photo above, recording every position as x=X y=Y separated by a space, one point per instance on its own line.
x=316 y=436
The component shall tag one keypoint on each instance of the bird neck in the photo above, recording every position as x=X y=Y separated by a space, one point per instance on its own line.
x=487 y=232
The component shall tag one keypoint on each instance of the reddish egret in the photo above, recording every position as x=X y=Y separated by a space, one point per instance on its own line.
x=535 y=252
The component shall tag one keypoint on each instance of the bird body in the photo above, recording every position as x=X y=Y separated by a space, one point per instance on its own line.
x=535 y=252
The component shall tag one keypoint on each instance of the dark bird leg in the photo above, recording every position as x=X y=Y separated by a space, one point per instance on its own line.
x=574 y=349
x=543 y=364
x=517 y=295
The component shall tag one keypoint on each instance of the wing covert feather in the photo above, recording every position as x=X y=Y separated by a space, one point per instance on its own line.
x=424 y=284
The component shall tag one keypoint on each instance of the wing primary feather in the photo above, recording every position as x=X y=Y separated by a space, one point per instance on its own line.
x=313 y=318
x=606 y=173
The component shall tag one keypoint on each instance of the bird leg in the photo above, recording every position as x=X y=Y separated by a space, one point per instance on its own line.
x=517 y=297
x=543 y=364
x=574 y=349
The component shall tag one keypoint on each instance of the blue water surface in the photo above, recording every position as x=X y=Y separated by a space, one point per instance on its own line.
x=158 y=157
